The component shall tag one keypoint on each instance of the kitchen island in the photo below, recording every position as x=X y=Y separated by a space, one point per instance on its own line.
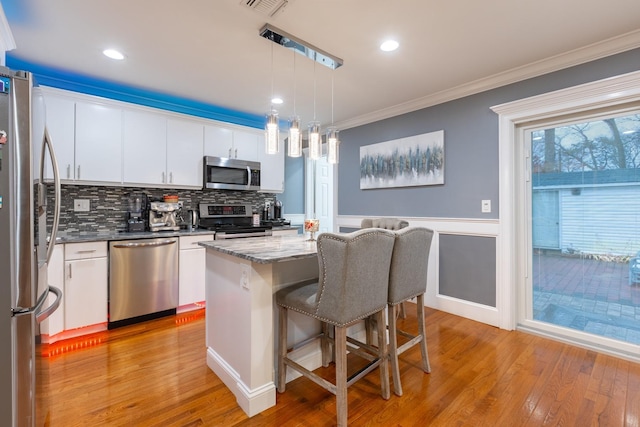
x=241 y=277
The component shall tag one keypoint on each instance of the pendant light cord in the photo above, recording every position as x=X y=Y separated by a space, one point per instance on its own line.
x=294 y=82
x=271 y=97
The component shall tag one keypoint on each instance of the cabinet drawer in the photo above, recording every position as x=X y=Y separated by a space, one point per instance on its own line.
x=191 y=242
x=85 y=250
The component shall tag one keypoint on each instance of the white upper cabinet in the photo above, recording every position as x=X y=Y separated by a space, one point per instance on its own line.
x=232 y=144
x=218 y=141
x=185 y=152
x=271 y=168
x=102 y=141
x=245 y=145
x=60 y=119
x=145 y=148
x=98 y=143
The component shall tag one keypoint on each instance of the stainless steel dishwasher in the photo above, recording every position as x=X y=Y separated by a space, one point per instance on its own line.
x=143 y=279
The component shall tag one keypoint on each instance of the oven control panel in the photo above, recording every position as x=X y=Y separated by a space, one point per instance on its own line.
x=220 y=211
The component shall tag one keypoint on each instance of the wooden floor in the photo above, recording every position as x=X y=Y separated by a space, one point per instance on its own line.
x=155 y=374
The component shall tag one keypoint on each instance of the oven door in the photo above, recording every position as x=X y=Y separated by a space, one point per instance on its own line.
x=231 y=174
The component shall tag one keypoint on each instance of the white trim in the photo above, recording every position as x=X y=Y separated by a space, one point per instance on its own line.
x=7 y=41
x=458 y=226
x=252 y=401
x=572 y=58
x=603 y=93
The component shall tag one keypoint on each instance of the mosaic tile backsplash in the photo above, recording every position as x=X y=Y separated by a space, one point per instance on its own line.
x=109 y=205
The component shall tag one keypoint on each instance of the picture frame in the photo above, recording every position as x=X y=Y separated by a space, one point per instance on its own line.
x=405 y=162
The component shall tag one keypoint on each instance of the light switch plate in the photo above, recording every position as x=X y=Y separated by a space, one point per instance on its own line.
x=486 y=206
x=81 y=205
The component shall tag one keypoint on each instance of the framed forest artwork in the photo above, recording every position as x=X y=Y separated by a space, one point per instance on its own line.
x=405 y=162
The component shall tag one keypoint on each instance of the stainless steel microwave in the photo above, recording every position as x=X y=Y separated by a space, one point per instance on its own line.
x=231 y=174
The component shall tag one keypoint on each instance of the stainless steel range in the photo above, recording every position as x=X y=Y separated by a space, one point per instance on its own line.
x=231 y=221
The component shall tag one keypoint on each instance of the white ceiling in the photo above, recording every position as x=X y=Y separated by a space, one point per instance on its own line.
x=210 y=50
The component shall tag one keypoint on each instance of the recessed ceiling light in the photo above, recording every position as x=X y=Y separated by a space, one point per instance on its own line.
x=113 y=54
x=277 y=100
x=389 y=45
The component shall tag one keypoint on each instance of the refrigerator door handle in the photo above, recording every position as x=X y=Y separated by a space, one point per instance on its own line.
x=41 y=315
x=46 y=143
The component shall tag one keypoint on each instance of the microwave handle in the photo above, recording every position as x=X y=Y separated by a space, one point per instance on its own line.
x=248 y=177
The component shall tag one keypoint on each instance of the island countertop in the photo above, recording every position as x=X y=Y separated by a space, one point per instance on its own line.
x=266 y=250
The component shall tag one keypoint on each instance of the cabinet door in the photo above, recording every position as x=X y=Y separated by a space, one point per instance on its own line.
x=85 y=292
x=245 y=145
x=60 y=120
x=192 y=276
x=144 y=148
x=54 y=324
x=218 y=141
x=184 y=152
x=98 y=143
x=271 y=169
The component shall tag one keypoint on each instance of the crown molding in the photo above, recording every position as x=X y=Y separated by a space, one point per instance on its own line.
x=572 y=58
x=6 y=37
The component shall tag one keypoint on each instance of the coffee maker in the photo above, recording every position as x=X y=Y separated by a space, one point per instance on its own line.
x=136 y=214
x=163 y=216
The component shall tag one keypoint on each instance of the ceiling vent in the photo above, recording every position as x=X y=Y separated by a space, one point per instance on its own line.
x=266 y=7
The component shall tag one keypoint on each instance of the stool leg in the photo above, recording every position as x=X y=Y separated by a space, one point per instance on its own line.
x=341 y=375
x=325 y=346
x=403 y=313
x=282 y=349
x=393 y=350
x=423 y=334
x=383 y=354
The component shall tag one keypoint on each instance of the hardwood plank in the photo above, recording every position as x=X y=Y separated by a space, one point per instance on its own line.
x=155 y=374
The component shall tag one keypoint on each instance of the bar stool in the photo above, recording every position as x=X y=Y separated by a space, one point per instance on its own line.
x=392 y=224
x=407 y=280
x=352 y=285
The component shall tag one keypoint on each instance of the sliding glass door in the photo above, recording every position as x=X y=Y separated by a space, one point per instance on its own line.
x=581 y=219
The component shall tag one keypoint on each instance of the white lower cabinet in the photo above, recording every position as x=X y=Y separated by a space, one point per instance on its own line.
x=54 y=324
x=192 y=271
x=85 y=285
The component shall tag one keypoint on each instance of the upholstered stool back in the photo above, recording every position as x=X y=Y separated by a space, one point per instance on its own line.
x=386 y=223
x=408 y=276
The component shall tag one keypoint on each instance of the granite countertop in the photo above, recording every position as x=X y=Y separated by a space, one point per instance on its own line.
x=266 y=250
x=88 y=236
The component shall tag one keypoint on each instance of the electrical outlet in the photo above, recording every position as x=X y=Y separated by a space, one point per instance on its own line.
x=245 y=276
x=81 y=205
x=486 y=206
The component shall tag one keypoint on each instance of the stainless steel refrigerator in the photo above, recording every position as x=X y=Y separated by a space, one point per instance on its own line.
x=24 y=292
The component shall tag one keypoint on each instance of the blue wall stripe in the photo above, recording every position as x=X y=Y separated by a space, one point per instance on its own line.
x=60 y=79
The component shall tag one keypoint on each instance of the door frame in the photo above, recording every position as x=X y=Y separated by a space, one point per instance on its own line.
x=613 y=92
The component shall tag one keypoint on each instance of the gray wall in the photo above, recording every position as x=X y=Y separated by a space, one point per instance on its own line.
x=467 y=267
x=293 y=196
x=471 y=147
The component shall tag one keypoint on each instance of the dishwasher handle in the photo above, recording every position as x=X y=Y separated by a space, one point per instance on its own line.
x=145 y=244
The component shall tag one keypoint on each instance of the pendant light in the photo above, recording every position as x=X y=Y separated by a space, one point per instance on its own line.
x=315 y=145
x=295 y=136
x=271 y=129
x=333 y=143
